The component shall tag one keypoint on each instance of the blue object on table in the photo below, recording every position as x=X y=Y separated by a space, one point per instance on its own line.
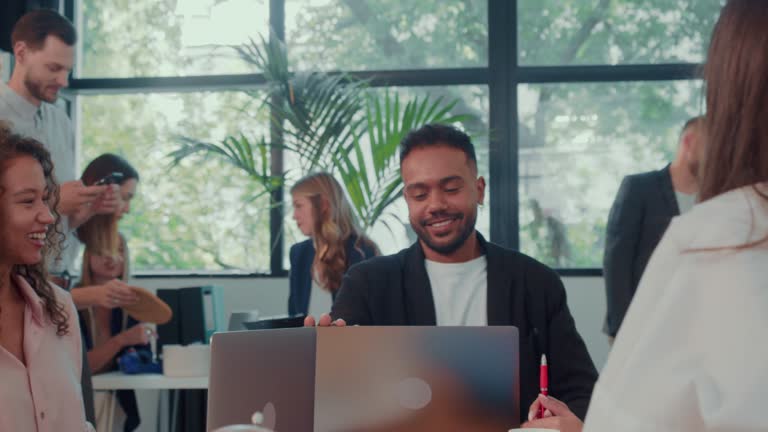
x=138 y=362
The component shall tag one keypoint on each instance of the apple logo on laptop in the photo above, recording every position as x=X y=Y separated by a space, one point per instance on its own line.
x=267 y=417
x=413 y=393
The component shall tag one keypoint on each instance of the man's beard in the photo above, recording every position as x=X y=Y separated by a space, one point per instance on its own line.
x=446 y=249
x=37 y=90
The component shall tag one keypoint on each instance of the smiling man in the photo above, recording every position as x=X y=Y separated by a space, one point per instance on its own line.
x=453 y=277
x=43 y=48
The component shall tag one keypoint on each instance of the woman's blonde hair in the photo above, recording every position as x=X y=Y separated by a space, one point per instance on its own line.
x=100 y=235
x=87 y=279
x=334 y=226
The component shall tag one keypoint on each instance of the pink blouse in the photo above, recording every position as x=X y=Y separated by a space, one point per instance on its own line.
x=45 y=394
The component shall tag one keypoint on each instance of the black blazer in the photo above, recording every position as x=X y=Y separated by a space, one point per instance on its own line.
x=641 y=213
x=301 y=256
x=395 y=290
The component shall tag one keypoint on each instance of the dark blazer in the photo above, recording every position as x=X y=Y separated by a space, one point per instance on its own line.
x=301 y=256
x=644 y=206
x=395 y=290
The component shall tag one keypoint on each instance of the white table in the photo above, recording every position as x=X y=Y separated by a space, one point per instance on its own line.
x=121 y=381
x=112 y=381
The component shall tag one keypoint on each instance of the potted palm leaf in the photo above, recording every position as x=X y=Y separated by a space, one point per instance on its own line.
x=328 y=121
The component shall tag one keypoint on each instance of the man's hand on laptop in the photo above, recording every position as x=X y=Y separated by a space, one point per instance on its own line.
x=325 y=321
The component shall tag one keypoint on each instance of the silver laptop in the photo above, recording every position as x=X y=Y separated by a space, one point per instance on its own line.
x=366 y=379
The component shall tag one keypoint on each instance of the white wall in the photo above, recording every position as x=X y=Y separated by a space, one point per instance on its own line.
x=586 y=299
x=268 y=295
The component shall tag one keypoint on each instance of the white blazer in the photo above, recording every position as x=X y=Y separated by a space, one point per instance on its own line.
x=692 y=354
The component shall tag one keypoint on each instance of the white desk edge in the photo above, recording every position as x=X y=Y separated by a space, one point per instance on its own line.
x=121 y=381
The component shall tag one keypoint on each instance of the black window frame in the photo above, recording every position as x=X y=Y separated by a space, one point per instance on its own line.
x=502 y=76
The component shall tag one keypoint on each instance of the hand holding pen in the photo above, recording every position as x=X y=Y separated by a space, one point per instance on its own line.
x=548 y=412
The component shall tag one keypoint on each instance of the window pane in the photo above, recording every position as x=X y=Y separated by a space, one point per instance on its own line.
x=200 y=215
x=386 y=34
x=392 y=232
x=557 y=32
x=577 y=142
x=138 y=38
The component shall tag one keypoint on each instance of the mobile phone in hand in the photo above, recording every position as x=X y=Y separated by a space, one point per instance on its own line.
x=114 y=178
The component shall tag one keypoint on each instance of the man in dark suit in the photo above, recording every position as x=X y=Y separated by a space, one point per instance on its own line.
x=453 y=276
x=644 y=207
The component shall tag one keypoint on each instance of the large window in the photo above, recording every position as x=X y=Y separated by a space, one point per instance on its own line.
x=565 y=96
x=609 y=32
x=196 y=216
x=145 y=38
x=583 y=122
x=577 y=141
x=387 y=34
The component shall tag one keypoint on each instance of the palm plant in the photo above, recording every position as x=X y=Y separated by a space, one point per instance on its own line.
x=331 y=122
x=240 y=152
x=373 y=183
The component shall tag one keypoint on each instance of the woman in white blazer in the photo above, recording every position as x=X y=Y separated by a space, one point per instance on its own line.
x=692 y=354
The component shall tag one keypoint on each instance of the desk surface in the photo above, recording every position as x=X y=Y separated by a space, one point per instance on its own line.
x=121 y=381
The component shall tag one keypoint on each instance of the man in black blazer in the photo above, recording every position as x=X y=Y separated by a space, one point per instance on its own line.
x=453 y=276
x=644 y=207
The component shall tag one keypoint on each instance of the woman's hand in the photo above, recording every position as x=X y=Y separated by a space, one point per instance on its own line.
x=557 y=416
x=114 y=293
x=140 y=334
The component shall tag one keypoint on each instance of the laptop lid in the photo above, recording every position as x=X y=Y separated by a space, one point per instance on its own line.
x=269 y=373
x=403 y=379
x=367 y=379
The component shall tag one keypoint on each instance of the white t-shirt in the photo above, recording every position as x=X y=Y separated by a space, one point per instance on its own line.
x=320 y=301
x=685 y=201
x=459 y=291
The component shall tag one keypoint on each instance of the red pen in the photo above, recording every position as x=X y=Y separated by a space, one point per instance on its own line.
x=543 y=382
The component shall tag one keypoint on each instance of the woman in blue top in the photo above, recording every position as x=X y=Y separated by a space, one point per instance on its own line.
x=335 y=243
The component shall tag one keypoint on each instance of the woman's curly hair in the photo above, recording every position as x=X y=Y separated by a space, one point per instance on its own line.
x=13 y=146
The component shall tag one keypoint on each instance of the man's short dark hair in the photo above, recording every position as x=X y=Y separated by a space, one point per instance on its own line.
x=434 y=135
x=35 y=26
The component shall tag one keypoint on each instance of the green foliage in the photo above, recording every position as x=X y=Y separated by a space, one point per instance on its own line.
x=198 y=216
x=330 y=122
x=239 y=152
x=374 y=183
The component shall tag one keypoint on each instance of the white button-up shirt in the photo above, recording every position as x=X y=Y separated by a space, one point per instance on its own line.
x=44 y=395
x=692 y=353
